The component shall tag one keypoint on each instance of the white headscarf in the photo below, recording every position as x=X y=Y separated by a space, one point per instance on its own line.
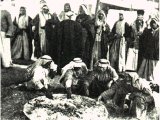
x=155 y=17
x=101 y=22
x=22 y=21
x=84 y=7
x=41 y=61
x=43 y=17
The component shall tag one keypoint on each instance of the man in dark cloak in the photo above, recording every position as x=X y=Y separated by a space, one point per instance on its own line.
x=87 y=33
x=121 y=32
x=51 y=26
x=69 y=41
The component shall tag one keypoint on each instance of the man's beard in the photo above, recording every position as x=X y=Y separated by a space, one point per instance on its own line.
x=101 y=69
x=52 y=74
x=78 y=73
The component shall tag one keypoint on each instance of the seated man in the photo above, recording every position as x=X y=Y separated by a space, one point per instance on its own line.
x=73 y=74
x=141 y=97
x=39 y=72
x=103 y=75
x=117 y=92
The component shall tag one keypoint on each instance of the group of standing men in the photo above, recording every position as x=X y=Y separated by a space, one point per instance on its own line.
x=128 y=47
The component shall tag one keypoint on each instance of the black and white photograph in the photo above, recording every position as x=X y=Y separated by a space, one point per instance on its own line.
x=79 y=60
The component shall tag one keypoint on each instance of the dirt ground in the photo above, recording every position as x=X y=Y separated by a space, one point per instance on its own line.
x=13 y=99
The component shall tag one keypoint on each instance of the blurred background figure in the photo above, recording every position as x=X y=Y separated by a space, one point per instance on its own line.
x=87 y=33
x=39 y=24
x=5 y=35
x=67 y=14
x=22 y=41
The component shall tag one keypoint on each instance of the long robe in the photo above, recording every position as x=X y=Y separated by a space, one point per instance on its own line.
x=149 y=46
x=51 y=32
x=136 y=30
x=69 y=41
x=101 y=43
x=22 y=41
x=40 y=40
x=118 y=46
x=87 y=36
x=6 y=30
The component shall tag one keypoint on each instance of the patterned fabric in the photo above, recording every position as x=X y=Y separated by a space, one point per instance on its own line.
x=22 y=40
x=146 y=68
x=20 y=48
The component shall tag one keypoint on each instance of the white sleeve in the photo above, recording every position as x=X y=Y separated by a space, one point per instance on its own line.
x=66 y=67
x=115 y=75
x=145 y=86
x=38 y=74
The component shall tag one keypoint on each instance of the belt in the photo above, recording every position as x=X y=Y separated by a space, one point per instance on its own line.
x=42 y=27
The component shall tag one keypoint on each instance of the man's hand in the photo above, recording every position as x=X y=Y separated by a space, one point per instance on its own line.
x=99 y=98
x=33 y=28
x=110 y=83
x=8 y=35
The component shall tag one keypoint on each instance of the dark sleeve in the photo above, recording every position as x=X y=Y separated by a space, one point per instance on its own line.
x=84 y=69
x=29 y=28
x=10 y=24
x=49 y=28
x=105 y=41
x=35 y=21
x=86 y=21
x=142 y=40
x=78 y=40
x=114 y=28
x=15 y=27
x=77 y=19
x=15 y=22
x=89 y=25
x=127 y=33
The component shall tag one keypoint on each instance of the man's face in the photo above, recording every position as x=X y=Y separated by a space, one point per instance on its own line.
x=77 y=68
x=101 y=68
x=153 y=24
x=100 y=16
x=140 y=17
x=45 y=10
x=81 y=10
x=121 y=17
x=22 y=11
x=66 y=8
x=78 y=71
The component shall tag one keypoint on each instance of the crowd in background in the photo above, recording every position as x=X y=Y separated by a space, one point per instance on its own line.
x=69 y=35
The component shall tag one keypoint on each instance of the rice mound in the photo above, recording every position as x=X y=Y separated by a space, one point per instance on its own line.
x=60 y=108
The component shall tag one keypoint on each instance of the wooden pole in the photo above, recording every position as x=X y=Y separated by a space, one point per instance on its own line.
x=97 y=5
x=96 y=10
